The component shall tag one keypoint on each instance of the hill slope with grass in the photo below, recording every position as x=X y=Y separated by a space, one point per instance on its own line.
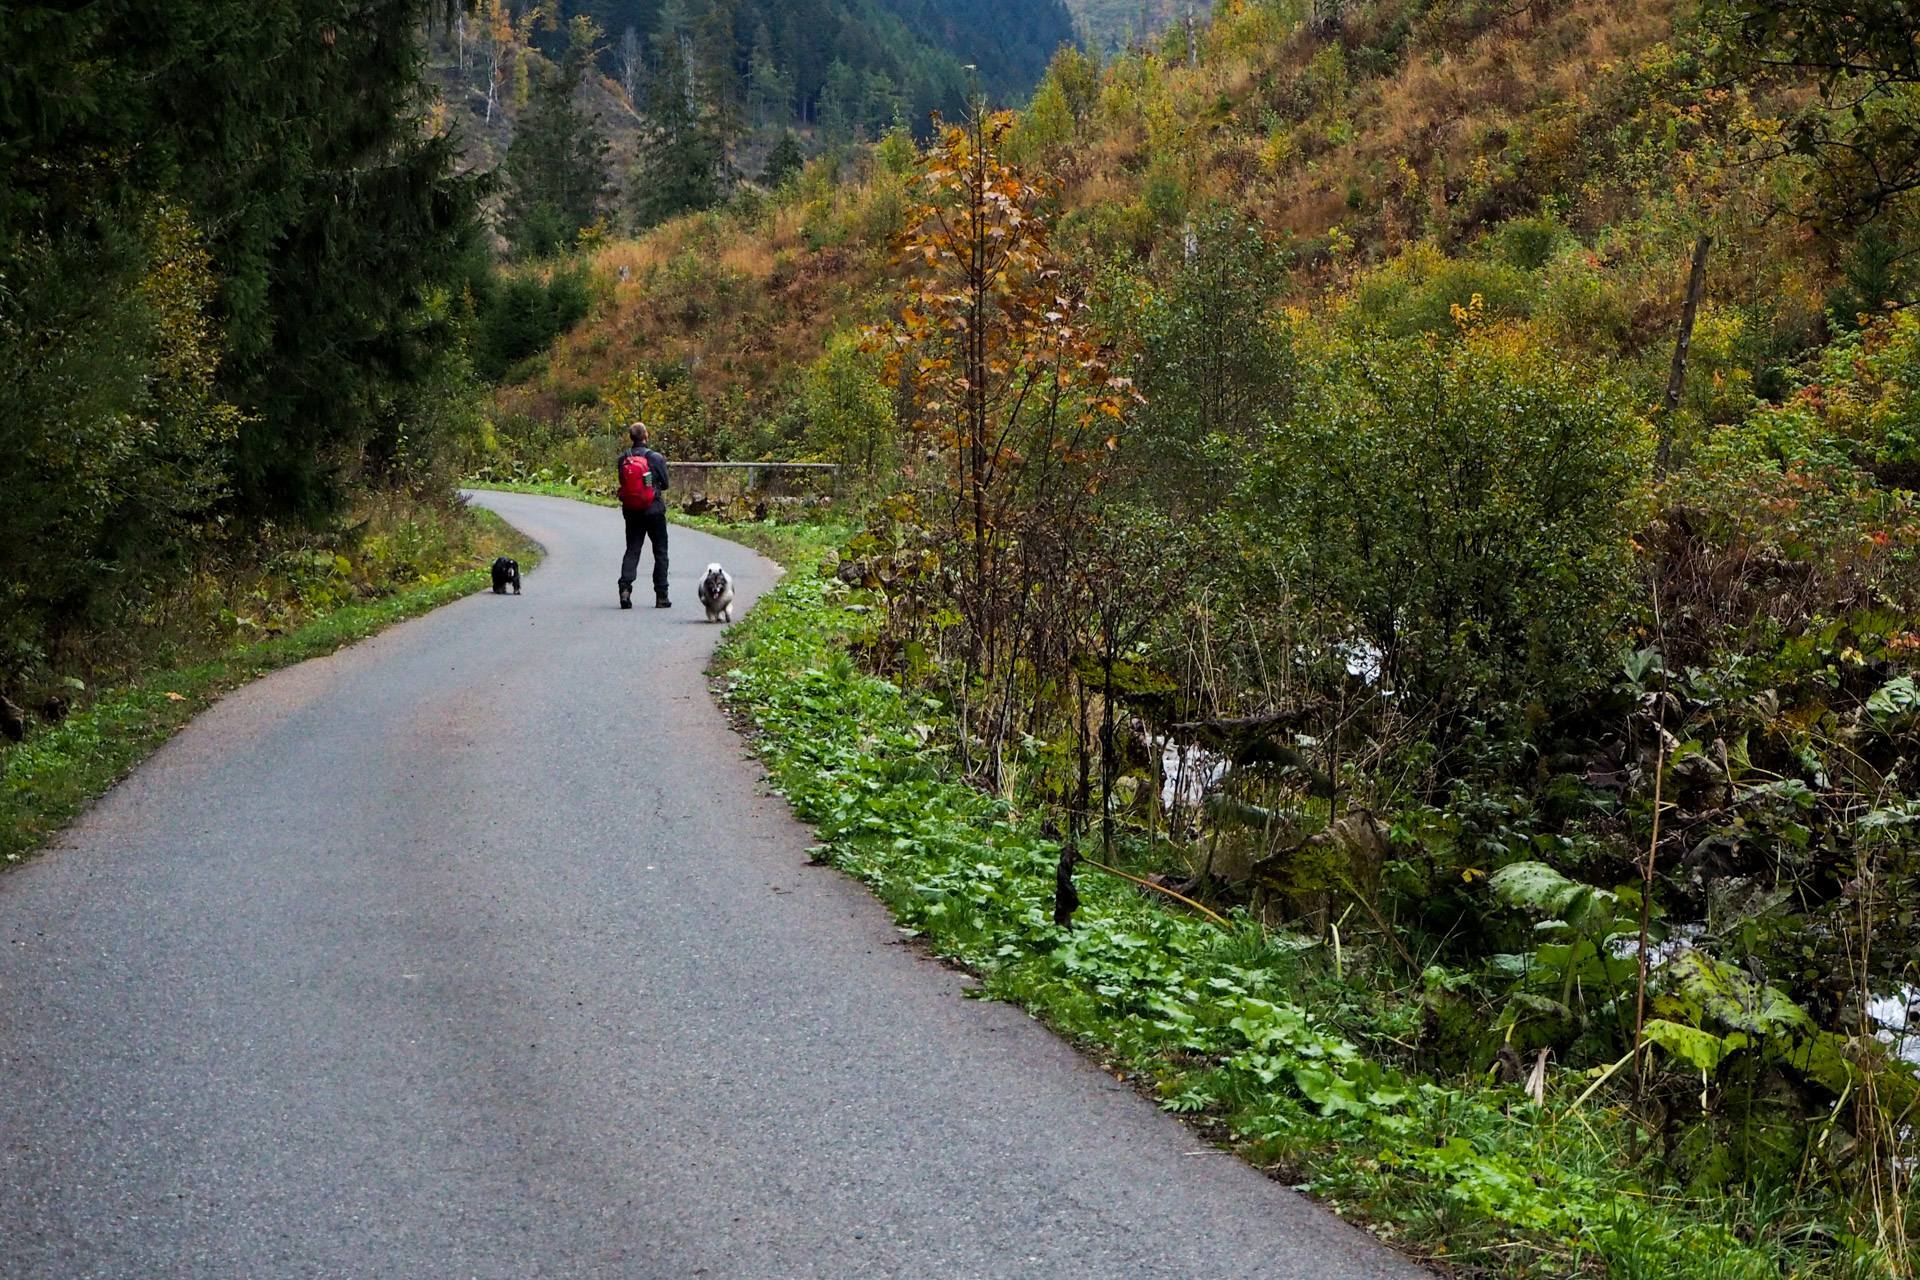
x=1299 y=468
x=1558 y=160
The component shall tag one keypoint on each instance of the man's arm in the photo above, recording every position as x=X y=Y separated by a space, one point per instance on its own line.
x=660 y=467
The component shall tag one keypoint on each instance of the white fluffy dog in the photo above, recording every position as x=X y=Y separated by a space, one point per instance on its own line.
x=716 y=593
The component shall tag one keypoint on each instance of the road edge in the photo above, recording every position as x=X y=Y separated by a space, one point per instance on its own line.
x=59 y=772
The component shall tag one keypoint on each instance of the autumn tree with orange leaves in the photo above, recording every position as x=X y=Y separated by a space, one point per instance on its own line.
x=1019 y=403
x=1013 y=394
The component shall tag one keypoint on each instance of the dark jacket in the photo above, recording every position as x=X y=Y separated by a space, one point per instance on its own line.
x=657 y=467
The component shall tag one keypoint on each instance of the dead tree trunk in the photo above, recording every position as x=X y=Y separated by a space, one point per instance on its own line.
x=1682 y=344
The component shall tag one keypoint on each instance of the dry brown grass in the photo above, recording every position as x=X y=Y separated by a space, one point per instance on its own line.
x=736 y=303
x=1472 y=125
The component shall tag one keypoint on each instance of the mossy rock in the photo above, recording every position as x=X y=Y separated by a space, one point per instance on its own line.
x=1346 y=854
x=1345 y=857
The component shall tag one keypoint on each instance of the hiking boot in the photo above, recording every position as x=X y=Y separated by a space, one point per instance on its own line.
x=626 y=597
x=661 y=602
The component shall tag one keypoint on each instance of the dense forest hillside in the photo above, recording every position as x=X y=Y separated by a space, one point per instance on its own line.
x=835 y=70
x=1009 y=41
x=1108 y=26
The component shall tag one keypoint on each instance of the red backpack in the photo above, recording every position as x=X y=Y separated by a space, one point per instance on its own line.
x=636 y=483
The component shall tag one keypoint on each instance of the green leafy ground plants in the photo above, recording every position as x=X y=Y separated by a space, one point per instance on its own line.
x=57 y=771
x=1262 y=1037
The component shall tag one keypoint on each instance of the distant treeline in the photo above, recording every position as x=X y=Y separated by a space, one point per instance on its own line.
x=807 y=61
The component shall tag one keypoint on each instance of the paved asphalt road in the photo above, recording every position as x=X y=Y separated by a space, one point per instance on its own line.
x=478 y=950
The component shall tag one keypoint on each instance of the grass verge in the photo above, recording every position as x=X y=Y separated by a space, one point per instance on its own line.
x=796 y=546
x=58 y=770
x=1245 y=1031
x=546 y=489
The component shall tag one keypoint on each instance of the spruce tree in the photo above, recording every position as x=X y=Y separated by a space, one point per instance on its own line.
x=783 y=161
x=556 y=167
x=683 y=163
x=295 y=141
x=769 y=89
x=839 y=106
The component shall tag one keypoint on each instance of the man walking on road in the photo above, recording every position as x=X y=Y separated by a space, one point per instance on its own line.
x=643 y=501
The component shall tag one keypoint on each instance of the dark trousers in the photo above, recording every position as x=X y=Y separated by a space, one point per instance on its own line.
x=642 y=525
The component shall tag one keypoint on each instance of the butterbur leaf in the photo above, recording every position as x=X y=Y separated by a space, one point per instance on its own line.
x=1734 y=999
x=1839 y=1062
x=1534 y=886
x=1703 y=1049
x=1896 y=697
x=1508 y=965
x=1899 y=815
x=1676 y=1008
x=1332 y=1094
x=1540 y=1005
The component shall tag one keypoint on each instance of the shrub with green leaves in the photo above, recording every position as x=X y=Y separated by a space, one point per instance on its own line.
x=850 y=414
x=1464 y=505
x=1419 y=291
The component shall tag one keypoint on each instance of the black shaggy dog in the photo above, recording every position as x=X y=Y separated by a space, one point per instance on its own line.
x=506 y=570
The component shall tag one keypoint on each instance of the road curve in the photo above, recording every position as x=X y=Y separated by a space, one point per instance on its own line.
x=478 y=949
